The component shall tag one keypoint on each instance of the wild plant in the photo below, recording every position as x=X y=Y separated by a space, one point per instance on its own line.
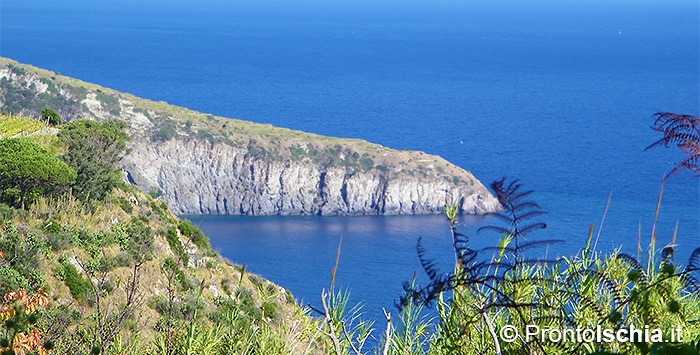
x=344 y=328
x=684 y=131
x=412 y=333
x=507 y=288
x=503 y=287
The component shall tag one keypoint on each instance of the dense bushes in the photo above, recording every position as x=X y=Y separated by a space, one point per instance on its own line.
x=22 y=250
x=176 y=245
x=50 y=116
x=195 y=235
x=78 y=286
x=93 y=149
x=502 y=286
x=136 y=238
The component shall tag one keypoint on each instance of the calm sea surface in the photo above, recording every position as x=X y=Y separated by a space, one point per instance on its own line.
x=557 y=94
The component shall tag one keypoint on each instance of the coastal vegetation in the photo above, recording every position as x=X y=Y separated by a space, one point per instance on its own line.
x=111 y=270
x=506 y=287
x=90 y=264
x=26 y=167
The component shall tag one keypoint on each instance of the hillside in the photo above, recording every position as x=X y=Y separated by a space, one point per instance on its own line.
x=109 y=269
x=99 y=281
x=202 y=164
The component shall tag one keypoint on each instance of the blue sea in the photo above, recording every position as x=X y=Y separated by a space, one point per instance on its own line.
x=559 y=94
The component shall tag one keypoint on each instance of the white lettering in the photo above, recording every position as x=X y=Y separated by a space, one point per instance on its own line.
x=656 y=336
x=531 y=331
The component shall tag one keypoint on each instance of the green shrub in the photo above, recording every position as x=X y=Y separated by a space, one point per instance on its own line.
x=52 y=226
x=162 y=306
x=140 y=239
x=143 y=217
x=12 y=279
x=366 y=164
x=297 y=153
x=107 y=287
x=24 y=249
x=125 y=204
x=195 y=235
x=94 y=150
x=289 y=297
x=121 y=260
x=49 y=115
x=204 y=135
x=226 y=286
x=382 y=168
x=6 y=212
x=60 y=241
x=251 y=310
x=165 y=134
x=170 y=267
x=186 y=228
x=78 y=286
x=243 y=292
x=269 y=309
x=156 y=207
x=176 y=246
x=155 y=193
x=107 y=100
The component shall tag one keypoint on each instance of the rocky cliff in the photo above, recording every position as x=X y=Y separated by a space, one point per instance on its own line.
x=201 y=164
x=203 y=177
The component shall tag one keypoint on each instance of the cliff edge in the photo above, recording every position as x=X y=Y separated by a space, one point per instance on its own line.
x=202 y=164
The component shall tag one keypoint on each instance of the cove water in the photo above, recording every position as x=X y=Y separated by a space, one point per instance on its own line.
x=559 y=94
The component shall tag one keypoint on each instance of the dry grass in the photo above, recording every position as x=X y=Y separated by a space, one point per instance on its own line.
x=71 y=212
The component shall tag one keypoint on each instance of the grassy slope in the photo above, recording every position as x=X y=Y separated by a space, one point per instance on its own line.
x=220 y=276
x=67 y=231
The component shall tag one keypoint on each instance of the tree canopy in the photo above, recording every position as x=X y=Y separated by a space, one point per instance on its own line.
x=24 y=165
x=51 y=116
x=94 y=149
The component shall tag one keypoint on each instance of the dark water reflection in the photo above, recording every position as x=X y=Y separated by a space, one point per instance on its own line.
x=377 y=255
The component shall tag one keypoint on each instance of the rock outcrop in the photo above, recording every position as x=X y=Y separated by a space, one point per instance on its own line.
x=201 y=177
x=201 y=164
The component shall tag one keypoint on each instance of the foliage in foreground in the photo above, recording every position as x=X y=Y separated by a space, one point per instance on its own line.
x=495 y=295
x=501 y=288
x=101 y=273
x=587 y=291
x=104 y=253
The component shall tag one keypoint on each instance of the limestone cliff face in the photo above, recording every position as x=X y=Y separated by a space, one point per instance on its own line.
x=201 y=164
x=201 y=177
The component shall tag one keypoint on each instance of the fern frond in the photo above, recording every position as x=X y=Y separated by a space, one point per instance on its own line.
x=694 y=260
x=428 y=265
x=635 y=265
x=667 y=255
x=684 y=132
x=529 y=228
